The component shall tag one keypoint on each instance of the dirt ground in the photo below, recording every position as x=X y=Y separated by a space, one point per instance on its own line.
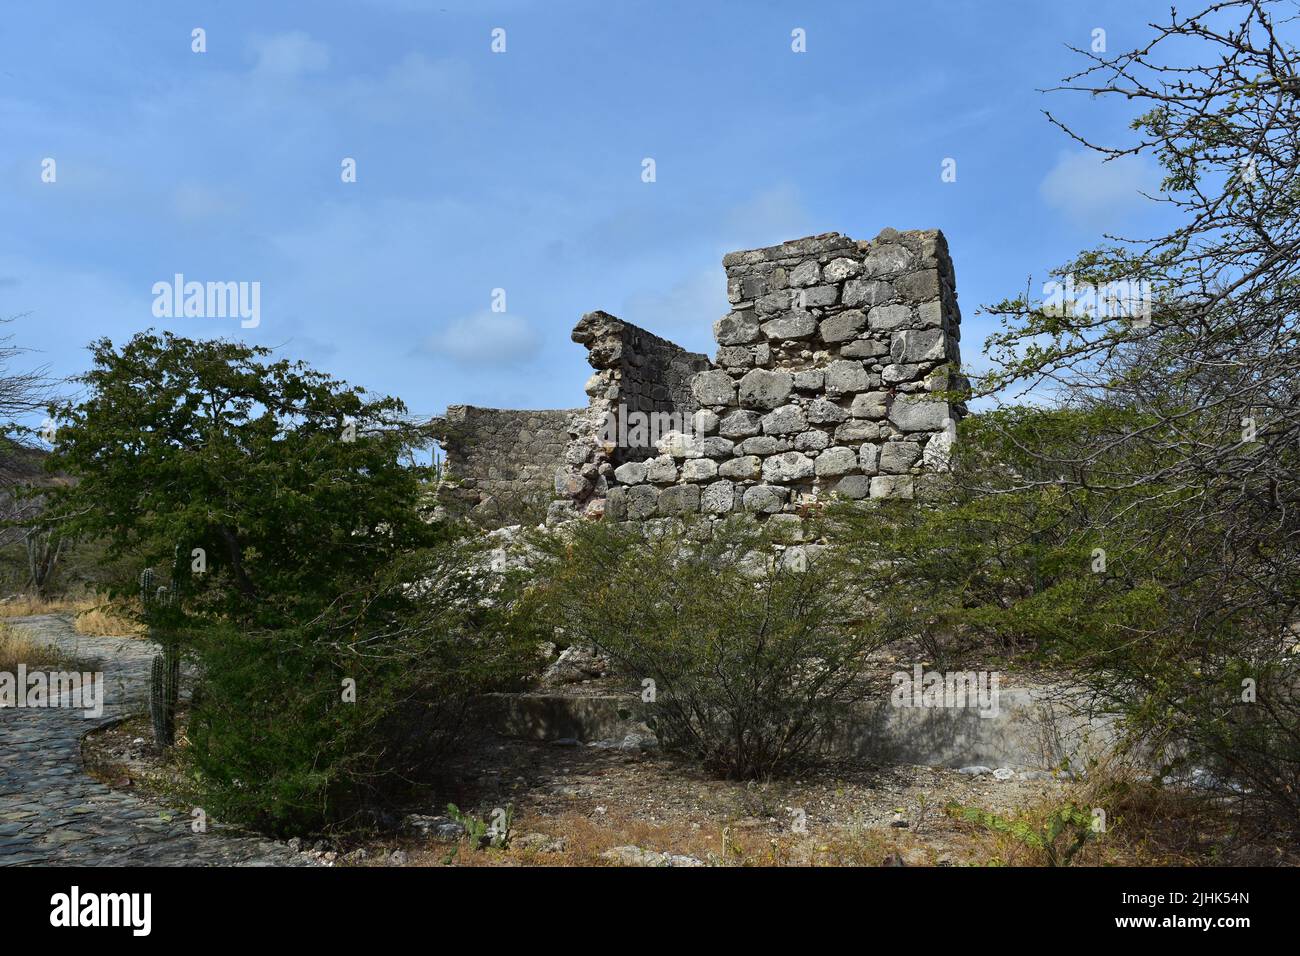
x=581 y=805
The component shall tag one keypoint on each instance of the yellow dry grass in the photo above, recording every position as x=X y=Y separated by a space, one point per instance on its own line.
x=93 y=616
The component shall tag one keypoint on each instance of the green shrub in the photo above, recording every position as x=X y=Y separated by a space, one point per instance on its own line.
x=276 y=743
x=752 y=660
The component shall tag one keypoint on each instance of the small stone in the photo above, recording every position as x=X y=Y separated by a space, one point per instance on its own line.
x=844 y=376
x=791 y=466
x=765 y=499
x=785 y=420
x=837 y=270
x=680 y=499
x=844 y=326
x=764 y=388
x=741 y=424
x=836 y=461
x=714 y=387
x=790 y=325
x=630 y=473
x=704 y=469
x=747 y=467
x=898 y=457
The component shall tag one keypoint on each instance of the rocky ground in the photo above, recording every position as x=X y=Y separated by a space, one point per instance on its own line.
x=576 y=804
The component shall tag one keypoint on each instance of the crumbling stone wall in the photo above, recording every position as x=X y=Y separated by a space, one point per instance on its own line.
x=499 y=460
x=638 y=377
x=829 y=380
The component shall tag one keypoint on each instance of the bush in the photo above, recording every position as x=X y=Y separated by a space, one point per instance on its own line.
x=752 y=660
x=277 y=743
x=1134 y=594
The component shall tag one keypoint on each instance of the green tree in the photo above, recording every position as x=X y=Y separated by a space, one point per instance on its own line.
x=265 y=487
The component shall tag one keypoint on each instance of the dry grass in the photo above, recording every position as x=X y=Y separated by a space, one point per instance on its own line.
x=107 y=620
x=93 y=616
x=1146 y=825
x=16 y=648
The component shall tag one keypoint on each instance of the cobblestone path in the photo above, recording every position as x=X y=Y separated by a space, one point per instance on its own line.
x=53 y=813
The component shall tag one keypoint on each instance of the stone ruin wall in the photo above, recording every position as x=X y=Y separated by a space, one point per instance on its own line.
x=824 y=384
x=829 y=379
x=500 y=459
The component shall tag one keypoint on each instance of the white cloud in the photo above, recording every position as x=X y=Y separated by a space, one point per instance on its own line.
x=1095 y=193
x=486 y=338
x=289 y=54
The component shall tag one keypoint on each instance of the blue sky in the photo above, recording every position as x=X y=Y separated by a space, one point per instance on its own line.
x=522 y=170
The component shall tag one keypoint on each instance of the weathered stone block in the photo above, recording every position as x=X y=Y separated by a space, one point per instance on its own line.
x=844 y=376
x=790 y=325
x=844 y=326
x=744 y=468
x=889 y=318
x=765 y=499
x=854 y=487
x=715 y=387
x=641 y=502
x=786 y=420
x=867 y=292
x=679 y=500
x=716 y=446
x=917 y=345
x=869 y=459
x=740 y=424
x=911 y=414
x=765 y=388
x=809 y=380
x=891 y=486
x=837 y=270
x=805 y=273
x=856 y=430
x=791 y=466
x=869 y=405
x=630 y=473
x=705 y=469
x=864 y=348
x=761 y=445
x=836 y=461
x=814 y=440
x=736 y=328
x=661 y=470
x=897 y=457
x=718 y=498
x=823 y=412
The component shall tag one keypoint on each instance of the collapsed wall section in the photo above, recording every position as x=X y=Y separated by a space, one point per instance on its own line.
x=833 y=377
x=639 y=379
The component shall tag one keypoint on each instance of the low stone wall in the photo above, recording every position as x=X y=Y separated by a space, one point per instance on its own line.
x=501 y=462
x=1035 y=729
x=836 y=374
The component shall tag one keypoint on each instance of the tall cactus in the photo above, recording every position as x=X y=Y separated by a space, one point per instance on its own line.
x=165 y=677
